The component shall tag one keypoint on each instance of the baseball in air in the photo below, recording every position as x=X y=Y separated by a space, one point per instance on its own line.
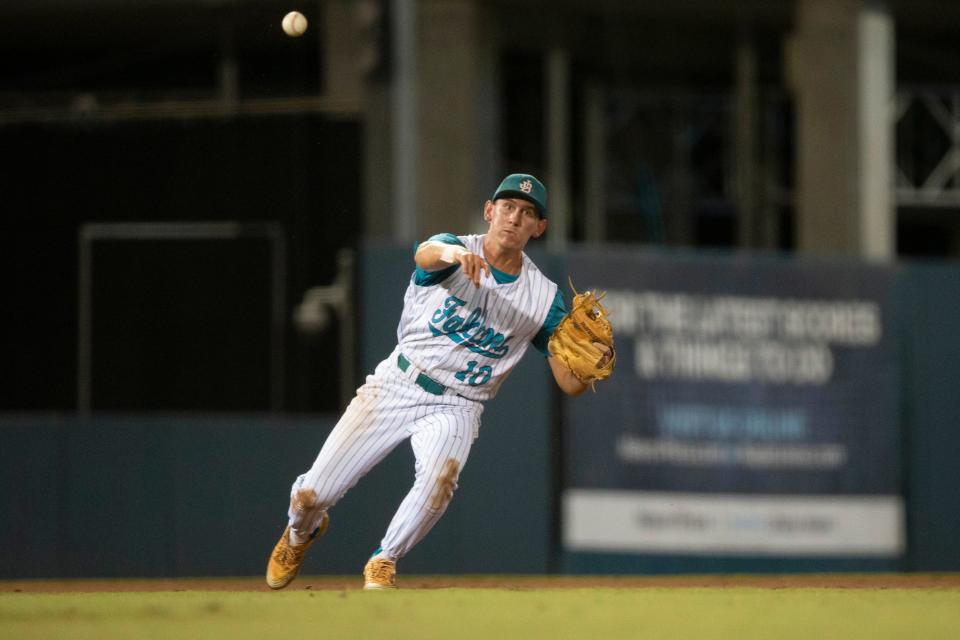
x=294 y=24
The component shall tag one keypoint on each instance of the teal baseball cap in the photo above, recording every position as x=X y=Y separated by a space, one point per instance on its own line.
x=524 y=185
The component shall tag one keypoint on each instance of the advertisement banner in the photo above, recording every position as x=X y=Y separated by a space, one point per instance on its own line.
x=753 y=410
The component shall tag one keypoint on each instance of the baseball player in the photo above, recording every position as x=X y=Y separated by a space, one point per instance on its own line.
x=473 y=306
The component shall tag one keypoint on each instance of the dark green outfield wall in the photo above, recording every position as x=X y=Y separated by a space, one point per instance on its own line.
x=190 y=496
x=144 y=497
x=930 y=297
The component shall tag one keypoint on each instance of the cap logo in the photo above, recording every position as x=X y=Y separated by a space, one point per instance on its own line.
x=526 y=186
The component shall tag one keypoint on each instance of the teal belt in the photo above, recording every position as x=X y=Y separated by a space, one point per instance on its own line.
x=426 y=383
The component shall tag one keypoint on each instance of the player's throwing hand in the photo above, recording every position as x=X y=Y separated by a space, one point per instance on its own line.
x=433 y=255
x=472 y=266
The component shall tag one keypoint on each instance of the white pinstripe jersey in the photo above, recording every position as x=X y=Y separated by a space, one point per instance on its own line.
x=468 y=338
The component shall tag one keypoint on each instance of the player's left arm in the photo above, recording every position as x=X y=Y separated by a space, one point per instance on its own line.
x=565 y=378
x=567 y=382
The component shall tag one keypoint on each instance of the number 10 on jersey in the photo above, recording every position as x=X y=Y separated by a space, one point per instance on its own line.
x=475 y=378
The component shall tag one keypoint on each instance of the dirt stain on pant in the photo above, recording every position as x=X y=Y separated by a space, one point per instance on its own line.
x=446 y=483
x=303 y=500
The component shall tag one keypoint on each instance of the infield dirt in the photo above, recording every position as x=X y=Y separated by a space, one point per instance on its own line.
x=340 y=583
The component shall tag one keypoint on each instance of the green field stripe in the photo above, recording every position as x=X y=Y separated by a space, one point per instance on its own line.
x=490 y=614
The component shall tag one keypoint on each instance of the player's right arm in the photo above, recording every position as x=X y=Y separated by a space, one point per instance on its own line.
x=434 y=255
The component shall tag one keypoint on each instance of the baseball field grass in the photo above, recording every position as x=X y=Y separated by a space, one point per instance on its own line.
x=517 y=609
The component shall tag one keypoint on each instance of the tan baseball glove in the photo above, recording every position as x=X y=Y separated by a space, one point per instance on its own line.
x=573 y=341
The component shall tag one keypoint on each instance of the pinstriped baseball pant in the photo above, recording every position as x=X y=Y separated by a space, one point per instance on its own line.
x=388 y=409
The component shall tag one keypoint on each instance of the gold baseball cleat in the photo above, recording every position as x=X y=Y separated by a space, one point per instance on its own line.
x=380 y=573
x=286 y=558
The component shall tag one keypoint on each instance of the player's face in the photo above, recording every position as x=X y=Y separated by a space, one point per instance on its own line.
x=513 y=221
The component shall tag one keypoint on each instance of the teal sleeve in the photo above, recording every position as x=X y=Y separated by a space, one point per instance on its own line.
x=429 y=278
x=557 y=311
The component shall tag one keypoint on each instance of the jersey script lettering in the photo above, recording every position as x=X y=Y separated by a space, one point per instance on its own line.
x=470 y=331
